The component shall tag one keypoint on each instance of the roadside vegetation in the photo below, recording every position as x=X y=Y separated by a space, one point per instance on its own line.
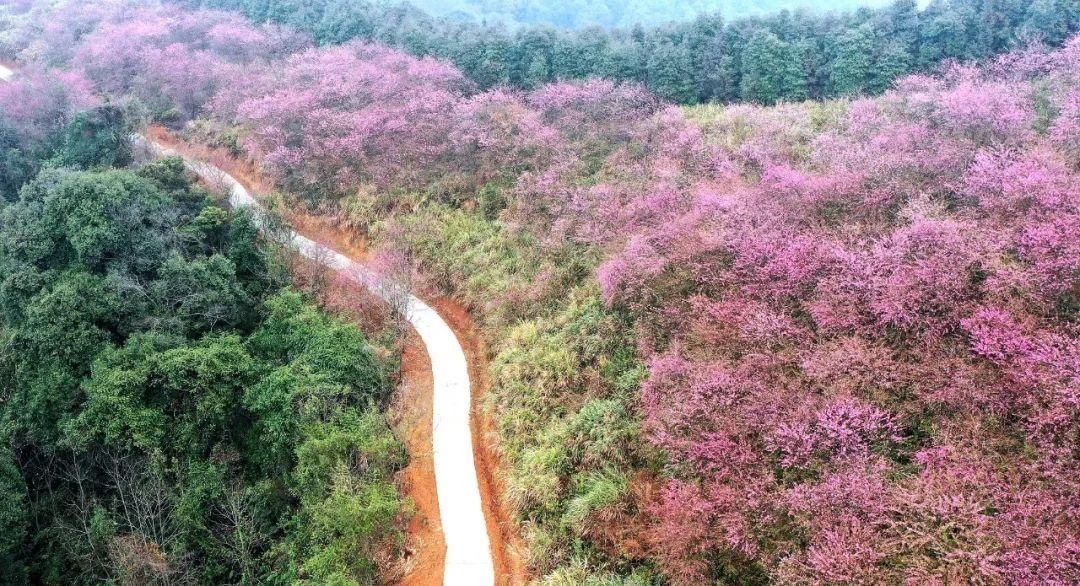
x=823 y=342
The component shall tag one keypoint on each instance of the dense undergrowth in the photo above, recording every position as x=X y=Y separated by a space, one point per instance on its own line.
x=815 y=343
x=170 y=411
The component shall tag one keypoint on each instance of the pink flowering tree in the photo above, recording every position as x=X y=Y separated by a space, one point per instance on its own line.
x=37 y=105
x=352 y=114
x=859 y=319
x=863 y=362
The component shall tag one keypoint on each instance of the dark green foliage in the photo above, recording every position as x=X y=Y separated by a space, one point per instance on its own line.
x=784 y=56
x=17 y=165
x=93 y=138
x=168 y=413
x=13 y=518
x=853 y=68
x=766 y=70
x=1050 y=20
x=97 y=137
x=670 y=73
x=608 y=13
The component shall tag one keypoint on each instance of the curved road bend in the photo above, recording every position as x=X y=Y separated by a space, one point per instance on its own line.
x=468 y=550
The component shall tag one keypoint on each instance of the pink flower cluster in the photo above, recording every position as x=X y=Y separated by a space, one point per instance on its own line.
x=37 y=105
x=865 y=359
x=862 y=333
x=173 y=60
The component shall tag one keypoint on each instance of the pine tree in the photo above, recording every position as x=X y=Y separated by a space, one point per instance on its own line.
x=794 y=87
x=942 y=34
x=538 y=72
x=703 y=34
x=993 y=32
x=494 y=62
x=567 y=58
x=531 y=65
x=717 y=78
x=627 y=61
x=344 y=20
x=892 y=61
x=903 y=21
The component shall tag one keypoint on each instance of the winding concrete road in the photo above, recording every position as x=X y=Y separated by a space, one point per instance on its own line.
x=468 y=549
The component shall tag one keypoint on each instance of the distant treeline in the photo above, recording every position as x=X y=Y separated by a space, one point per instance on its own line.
x=788 y=56
x=612 y=13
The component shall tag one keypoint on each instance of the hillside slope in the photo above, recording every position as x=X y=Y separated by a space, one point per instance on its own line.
x=781 y=56
x=813 y=343
x=170 y=409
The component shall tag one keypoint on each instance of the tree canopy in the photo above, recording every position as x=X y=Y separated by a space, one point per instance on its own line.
x=169 y=409
x=825 y=54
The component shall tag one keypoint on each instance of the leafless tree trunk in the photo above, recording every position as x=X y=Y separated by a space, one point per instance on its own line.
x=148 y=546
x=79 y=526
x=240 y=533
x=396 y=274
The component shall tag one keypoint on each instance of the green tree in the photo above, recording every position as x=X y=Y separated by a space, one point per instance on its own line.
x=902 y=24
x=768 y=71
x=853 y=68
x=343 y=20
x=1048 y=20
x=993 y=28
x=942 y=34
x=538 y=53
x=17 y=165
x=178 y=417
x=532 y=60
x=96 y=138
x=178 y=402
x=626 y=60
x=670 y=72
x=486 y=60
x=891 y=62
x=14 y=522
x=701 y=44
x=794 y=75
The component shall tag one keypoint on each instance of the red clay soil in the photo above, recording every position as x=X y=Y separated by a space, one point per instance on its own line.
x=425 y=557
x=243 y=170
x=319 y=228
x=507 y=549
x=426 y=547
